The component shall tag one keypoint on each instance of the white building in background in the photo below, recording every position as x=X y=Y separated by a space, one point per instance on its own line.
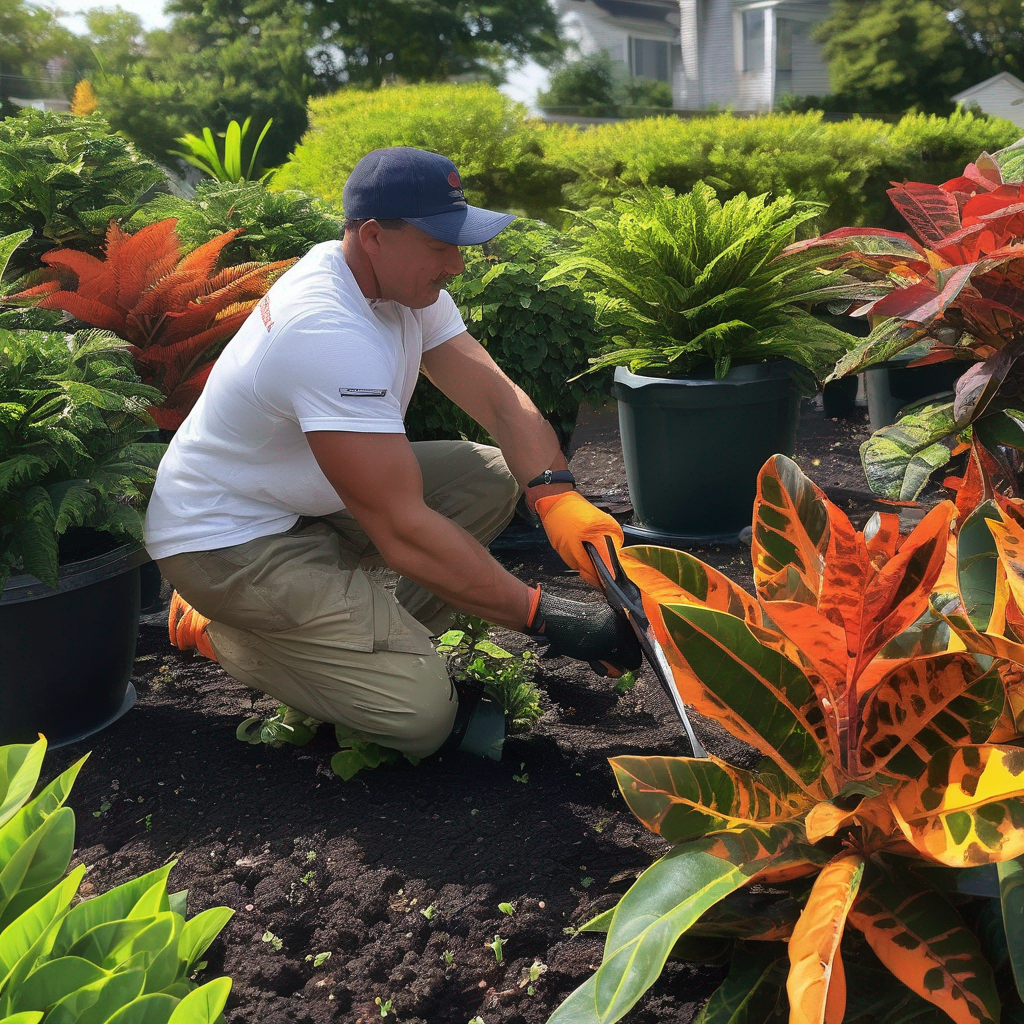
x=738 y=54
x=1001 y=95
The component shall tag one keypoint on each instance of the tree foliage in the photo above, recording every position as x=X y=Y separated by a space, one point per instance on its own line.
x=890 y=55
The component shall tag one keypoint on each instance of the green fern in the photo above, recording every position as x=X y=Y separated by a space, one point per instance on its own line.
x=72 y=421
x=684 y=283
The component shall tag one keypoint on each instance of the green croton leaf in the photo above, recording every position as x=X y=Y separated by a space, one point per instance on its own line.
x=886 y=339
x=899 y=459
x=754 y=991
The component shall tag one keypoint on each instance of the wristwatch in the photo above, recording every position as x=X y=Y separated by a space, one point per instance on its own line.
x=552 y=476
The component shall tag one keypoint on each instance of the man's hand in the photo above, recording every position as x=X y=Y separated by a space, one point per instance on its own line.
x=585 y=630
x=569 y=520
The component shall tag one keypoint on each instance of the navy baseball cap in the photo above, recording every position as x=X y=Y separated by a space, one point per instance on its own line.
x=402 y=183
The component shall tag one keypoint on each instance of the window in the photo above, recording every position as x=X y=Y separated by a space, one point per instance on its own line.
x=649 y=58
x=753 y=40
x=784 y=32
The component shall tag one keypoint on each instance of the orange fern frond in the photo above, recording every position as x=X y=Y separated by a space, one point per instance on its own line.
x=202 y=260
x=86 y=309
x=93 y=276
x=139 y=257
x=171 y=413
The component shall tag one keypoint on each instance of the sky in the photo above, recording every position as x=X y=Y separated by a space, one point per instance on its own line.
x=522 y=85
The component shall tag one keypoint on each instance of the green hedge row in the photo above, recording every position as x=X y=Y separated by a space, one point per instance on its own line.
x=510 y=161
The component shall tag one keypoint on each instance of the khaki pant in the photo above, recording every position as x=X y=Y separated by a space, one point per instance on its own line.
x=295 y=616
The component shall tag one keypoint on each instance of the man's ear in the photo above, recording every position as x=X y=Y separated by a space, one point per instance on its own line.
x=369 y=237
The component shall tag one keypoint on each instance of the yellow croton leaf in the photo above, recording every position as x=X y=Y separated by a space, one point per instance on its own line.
x=826 y=819
x=817 y=991
x=967 y=807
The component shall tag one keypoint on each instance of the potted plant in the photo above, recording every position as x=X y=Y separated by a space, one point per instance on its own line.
x=951 y=298
x=887 y=777
x=74 y=474
x=710 y=337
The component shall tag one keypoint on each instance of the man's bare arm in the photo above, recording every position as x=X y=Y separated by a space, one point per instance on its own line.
x=463 y=370
x=379 y=480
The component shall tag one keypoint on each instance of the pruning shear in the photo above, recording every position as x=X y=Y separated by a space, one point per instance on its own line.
x=623 y=595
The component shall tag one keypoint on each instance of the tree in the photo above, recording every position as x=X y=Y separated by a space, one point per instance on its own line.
x=891 y=55
x=387 y=40
x=35 y=53
x=116 y=39
x=586 y=85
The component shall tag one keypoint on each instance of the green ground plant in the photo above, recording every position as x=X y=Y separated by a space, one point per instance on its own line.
x=124 y=956
x=204 y=154
x=276 y=225
x=66 y=178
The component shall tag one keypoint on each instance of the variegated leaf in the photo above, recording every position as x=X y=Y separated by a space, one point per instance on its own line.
x=827 y=818
x=663 y=903
x=762 y=916
x=754 y=992
x=923 y=706
x=886 y=339
x=923 y=941
x=814 y=944
x=882 y=537
x=771 y=699
x=967 y=807
x=790 y=531
x=1010 y=726
x=977 y=561
x=683 y=798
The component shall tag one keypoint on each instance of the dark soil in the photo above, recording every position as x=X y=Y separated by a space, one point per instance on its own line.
x=313 y=864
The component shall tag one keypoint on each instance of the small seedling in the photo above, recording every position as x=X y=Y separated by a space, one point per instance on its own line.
x=626 y=682
x=272 y=941
x=586 y=882
x=105 y=806
x=532 y=975
x=428 y=912
x=507 y=908
x=311 y=856
x=385 y=1006
x=477 y=1020
x=149 y=822
x=308 y=878
x=448 y=957
x=524 y=778
x=320 y=959
x=496 y=945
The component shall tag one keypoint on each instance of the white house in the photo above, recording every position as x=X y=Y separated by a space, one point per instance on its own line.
x=740 y=54
x=1001 y=95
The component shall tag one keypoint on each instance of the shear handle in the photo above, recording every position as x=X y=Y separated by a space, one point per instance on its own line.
x=619 y=590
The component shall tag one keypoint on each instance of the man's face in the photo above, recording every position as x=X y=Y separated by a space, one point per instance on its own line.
x=411 y=266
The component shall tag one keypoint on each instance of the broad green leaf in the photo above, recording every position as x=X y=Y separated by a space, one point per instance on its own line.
x=29 y=1017
x=977 y=557
x=899 y=459
x=754 y=991
x=790 y=533
x=684 y=798
x=113 y=905
x=96 y=1003
x=817 y=983
x=8 y=243
x=162 y=952
x=35 y=859
x=1011 y=896
x=967 y=808
x=756 y=688
x=1001 y=426
x=198 y=933
x=204 y=1004
x=763 y=915
x=155 y=1008
x=154 y=901
x=918 y=935
x=661 y=905
x=922 y=706
x=233 y=151
x=101 y=943
x=55 y=979
x=20 y=764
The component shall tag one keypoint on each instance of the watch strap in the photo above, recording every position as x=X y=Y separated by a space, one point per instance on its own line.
x=552 y=476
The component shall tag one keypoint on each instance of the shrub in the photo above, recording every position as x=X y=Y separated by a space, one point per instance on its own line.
x=541 y=336
x=66 y=178
x=125 y=955
x=836 y=163
x=586 y=86
x=275 y=225
x=487 y=135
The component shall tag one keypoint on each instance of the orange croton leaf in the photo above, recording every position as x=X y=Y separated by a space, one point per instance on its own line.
x=817 y=992
x=178 y=313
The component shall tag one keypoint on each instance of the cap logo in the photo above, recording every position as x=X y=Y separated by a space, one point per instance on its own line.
x=453 y=180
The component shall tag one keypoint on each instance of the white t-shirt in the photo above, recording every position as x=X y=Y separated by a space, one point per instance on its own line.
x=314 y=354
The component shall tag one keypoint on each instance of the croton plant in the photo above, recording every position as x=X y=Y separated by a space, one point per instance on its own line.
x=876 y=680
x=178 y=312
x=957 y=289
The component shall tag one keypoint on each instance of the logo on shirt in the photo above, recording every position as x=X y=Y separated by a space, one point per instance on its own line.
x=265 y=316
x=362 y=392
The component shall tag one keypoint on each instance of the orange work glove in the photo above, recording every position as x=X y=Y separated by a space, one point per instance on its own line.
x=568 y=520
x=187 y=628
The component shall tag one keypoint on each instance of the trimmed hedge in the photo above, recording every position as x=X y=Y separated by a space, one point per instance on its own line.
x=509 y=161
x=489 y=137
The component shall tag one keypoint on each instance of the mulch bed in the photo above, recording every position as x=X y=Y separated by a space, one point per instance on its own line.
x=347 y=867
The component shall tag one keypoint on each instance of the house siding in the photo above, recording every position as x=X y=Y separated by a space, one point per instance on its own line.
x=997 y=99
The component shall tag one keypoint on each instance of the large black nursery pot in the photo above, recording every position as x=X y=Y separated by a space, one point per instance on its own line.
x=693 y=448
x=894 y=384
x=66 y=655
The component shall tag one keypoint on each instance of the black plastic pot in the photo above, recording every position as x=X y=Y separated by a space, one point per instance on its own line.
x=693 y=448
x=839 y=398
x=66 y=655
x=894 y=384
